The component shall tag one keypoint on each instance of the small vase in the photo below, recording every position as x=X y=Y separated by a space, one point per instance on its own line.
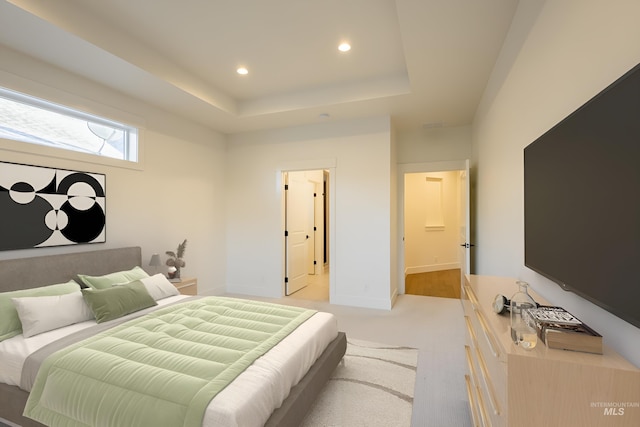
x=523 y=331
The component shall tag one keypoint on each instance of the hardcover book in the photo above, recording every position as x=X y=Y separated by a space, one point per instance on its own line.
x=558 y=328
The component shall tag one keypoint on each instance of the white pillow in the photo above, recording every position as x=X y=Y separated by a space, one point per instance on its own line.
x=42 y=314
x=158 y=286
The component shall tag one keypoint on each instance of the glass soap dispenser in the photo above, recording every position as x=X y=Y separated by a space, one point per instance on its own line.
x=523 y=332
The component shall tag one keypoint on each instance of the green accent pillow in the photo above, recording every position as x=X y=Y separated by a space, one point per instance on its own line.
x=117 y=301
x=108 y=280
x=10 y=325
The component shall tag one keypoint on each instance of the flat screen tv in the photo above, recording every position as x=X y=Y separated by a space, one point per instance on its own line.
x=582 y=200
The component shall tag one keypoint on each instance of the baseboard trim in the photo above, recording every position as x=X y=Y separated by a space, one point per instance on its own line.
x=431 y=268
x=364 y=302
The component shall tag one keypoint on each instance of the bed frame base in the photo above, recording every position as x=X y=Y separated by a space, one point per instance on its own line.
x=304 y=394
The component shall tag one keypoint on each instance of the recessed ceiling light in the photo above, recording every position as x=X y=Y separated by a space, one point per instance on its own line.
x=344 y=47
x=242 y=70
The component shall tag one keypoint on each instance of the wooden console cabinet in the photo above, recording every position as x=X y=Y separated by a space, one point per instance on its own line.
x=511 y=386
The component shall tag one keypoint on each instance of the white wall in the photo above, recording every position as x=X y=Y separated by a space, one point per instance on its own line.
x=177 y=193
x=357 y=153
x=434 y=145
x=570 y=51
x=431 y=249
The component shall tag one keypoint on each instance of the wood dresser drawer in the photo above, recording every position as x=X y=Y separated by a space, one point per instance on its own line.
x=485 y=363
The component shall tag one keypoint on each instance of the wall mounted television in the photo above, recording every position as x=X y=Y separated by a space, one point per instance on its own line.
x=582 y=200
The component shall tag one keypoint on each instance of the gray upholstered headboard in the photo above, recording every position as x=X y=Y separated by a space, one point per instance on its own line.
x=26 y=273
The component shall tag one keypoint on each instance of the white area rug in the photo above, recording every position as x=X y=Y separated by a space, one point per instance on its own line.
x=373 y=386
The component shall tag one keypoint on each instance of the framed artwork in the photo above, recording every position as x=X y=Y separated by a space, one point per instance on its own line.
x=42 y=207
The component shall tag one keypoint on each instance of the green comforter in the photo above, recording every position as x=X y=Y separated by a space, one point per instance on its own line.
x=161 y=369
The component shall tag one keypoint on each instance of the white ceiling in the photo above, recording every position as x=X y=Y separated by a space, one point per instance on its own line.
x=419 y=61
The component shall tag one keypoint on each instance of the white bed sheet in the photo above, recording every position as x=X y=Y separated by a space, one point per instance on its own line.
x=249 y=400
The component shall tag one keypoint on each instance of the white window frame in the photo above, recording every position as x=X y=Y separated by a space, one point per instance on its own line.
x=75 y=106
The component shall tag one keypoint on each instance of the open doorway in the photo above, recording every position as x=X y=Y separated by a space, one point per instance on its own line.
x=431 y=218
x=306 y=231
x=434 y=252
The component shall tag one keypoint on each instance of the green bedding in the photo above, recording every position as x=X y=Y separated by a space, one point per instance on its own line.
x=161 y=369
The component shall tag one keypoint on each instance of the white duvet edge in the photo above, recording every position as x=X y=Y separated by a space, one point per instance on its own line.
x=251 y=398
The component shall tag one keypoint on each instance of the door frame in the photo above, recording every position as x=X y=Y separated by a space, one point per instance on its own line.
x=329 y=165
x=406 y=168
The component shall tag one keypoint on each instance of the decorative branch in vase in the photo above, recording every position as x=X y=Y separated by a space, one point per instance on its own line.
x=176 y=261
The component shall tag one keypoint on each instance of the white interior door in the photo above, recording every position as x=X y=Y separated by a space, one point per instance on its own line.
x=465 y=223
x=298 y=217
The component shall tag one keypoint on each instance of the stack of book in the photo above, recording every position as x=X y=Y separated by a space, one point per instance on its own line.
x=558 y=328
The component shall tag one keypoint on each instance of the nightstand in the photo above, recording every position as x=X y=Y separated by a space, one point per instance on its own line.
x=186 y=285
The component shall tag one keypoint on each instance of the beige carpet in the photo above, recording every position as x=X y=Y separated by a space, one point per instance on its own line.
x=373 y=386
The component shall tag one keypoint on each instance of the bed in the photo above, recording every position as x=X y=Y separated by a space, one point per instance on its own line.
x=27 y=273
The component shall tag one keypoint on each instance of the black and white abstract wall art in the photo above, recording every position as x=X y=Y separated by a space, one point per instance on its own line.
x=41 y=207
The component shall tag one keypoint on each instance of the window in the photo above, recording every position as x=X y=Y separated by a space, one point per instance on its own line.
x=32 y=120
